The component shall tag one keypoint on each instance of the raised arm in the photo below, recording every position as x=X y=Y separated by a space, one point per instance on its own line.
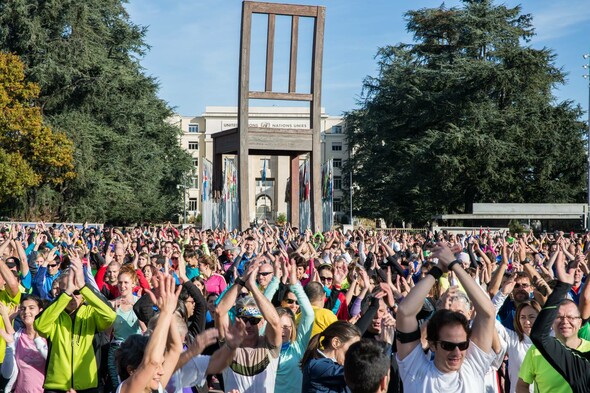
x=483 y=324
x=408 y=334
x=571 y=366
x=273 y=330
x=153 y=356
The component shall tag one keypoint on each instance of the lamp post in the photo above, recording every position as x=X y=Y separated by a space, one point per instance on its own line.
x=587 y=77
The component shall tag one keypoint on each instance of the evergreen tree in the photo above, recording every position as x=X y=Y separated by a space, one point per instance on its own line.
x=464 y=114
x=85 y=56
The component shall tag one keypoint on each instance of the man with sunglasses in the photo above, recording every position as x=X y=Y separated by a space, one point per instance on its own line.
x=255 y=363
x=462 y=354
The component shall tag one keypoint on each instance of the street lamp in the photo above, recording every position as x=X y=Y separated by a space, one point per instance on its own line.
x=587 y=76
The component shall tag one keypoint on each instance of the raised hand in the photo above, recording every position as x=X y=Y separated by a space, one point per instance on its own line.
x=444 y=254
x=235 y=334
x=203 y=340
x=565 y=274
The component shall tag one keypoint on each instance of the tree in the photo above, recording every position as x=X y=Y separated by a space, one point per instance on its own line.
x=85 y=56
x=464 y=114
x=31 y=154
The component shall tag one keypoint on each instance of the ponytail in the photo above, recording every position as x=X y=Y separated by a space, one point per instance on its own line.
x=342 y=330
x=312 y=349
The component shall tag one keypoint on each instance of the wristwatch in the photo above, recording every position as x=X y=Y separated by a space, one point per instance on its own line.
x=241 y=282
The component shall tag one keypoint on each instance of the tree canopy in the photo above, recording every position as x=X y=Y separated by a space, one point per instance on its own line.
x=464 y=114
x=31 y=154
x=85 y=56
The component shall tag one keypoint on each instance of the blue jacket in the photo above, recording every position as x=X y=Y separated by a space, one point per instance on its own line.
x=323 y=375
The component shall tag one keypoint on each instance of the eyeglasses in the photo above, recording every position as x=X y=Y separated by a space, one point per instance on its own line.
x=328 y=279
x=264 y=273
x=524 y=285
x=449 y=346
x=291 y=301
x=253 y=321
x=570 y=318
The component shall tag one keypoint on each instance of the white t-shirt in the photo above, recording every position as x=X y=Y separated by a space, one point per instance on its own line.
x=419 y=374
x=193 y=373
x=516 y=352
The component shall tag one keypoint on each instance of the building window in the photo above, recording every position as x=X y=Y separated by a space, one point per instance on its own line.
x=337 y=162
x=192 y=204
x=336 y=146
x=193 y=128
x=195 y=181
x=337 y=205
x=193 y=145
x=195 y=163
x=337 y=182
x=337 y=130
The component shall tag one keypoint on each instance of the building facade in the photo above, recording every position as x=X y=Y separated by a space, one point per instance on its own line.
x=269 y=174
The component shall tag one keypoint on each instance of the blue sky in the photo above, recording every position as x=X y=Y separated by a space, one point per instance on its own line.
x=195 y=45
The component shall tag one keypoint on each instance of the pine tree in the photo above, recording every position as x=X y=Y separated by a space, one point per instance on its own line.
x=464 y=114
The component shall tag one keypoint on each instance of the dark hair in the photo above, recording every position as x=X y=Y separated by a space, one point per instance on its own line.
x=40 y=302
x=130 y=354
x=342 y=330
x=519 y=308
x=442 y=318
x=190 y=252
x=365 y=366
x=314 y=291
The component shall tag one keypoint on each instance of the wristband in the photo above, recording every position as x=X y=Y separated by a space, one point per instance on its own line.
x=241 y=282
x=435 y=272
x=525 y=261
x=405 y=338
x=455 y=262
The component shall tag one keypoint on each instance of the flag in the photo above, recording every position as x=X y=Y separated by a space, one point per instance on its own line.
x=263 y=170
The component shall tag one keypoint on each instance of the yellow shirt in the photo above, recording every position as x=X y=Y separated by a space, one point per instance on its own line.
x=7 y=300
x=536 y=369
x=323 y=319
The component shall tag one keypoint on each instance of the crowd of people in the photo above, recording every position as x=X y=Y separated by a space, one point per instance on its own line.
x=279 y=309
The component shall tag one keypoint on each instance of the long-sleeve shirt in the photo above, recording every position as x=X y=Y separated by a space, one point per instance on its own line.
x=572 y=365
x=43 y=282
x=289 y=375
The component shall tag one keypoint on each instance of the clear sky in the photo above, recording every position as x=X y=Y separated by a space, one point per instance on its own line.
x=195 y=45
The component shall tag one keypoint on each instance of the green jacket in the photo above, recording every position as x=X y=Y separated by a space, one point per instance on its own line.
x=71 y=362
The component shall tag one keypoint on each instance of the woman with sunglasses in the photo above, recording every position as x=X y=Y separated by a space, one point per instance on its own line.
x=295 y=337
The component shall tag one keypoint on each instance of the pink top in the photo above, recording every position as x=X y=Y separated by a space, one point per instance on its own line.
x=215 y=284
x=31 y=366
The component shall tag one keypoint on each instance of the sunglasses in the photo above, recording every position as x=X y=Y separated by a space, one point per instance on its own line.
x=291 y=301
x=522 y=285
x=54 y=265
x=253 y=321
x=326 y=278
x=264 y=273
x=449 y=346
